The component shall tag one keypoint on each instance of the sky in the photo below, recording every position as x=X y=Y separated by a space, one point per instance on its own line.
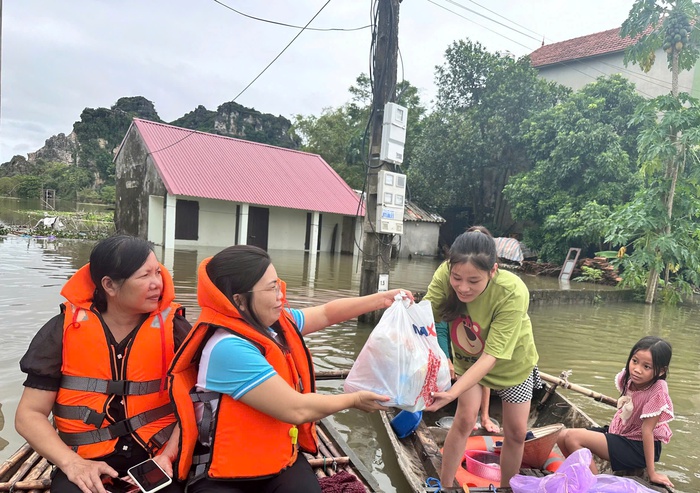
x=59 y=57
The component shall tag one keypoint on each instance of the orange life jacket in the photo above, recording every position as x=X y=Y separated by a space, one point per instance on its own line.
x=245 y=443
x=90 y=381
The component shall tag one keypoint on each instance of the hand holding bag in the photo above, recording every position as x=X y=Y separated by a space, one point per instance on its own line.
x=402 y=358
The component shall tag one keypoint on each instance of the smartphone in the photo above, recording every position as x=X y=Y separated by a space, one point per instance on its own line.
x=149 y=476
x=118 y=485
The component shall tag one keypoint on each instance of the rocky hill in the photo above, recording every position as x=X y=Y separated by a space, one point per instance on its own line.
x=96 y=136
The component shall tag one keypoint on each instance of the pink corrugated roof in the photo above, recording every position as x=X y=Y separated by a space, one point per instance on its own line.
x=198 y=164
x=584 y=47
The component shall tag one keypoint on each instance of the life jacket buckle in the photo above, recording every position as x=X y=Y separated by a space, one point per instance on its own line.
x=118 y=387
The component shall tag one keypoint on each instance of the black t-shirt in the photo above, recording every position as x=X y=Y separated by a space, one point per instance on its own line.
x=43 y=360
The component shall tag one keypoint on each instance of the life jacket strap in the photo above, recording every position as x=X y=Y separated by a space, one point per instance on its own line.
x=161 y=438
x=118 y=429
x=110 y=387
x=199 y=465
x=83 y=413
x=205 y=426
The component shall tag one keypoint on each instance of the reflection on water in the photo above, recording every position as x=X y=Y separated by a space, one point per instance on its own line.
x=593 y=341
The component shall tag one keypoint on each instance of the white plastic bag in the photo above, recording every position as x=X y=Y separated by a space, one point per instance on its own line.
x=402 y=358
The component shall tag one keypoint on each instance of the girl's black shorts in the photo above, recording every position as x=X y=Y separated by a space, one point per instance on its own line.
x=625 y=453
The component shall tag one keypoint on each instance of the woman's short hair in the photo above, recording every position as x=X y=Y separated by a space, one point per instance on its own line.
x=116 y=257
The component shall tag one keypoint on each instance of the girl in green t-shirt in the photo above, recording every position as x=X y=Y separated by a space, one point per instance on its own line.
x=492 y=343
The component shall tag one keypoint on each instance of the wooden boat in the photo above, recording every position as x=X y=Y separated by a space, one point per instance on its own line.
x=419 y=454
x=26 y=471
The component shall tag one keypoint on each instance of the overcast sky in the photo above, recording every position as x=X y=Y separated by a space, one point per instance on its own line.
x=59 y=57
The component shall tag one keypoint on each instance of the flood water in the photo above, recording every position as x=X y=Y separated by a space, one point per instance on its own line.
x=591 y=340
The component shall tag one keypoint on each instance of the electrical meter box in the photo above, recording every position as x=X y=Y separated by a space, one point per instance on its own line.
x=393 y=133
x=391 y=200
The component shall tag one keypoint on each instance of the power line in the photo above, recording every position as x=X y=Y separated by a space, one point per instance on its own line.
x=283 y=50
x=504 y=18
x=480 y=25
x=641 y=75
x=290 y=25
x=490 y=19
x=256 y=77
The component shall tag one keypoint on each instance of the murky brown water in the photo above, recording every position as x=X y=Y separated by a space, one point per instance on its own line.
x=592 y=340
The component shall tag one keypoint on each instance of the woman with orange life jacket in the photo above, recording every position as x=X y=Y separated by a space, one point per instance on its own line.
x=100 y=366
x=243 y=381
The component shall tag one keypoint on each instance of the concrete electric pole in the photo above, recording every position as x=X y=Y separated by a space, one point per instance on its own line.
x=376 y=248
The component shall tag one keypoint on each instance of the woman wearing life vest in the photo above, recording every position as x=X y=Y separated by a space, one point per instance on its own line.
x=101 y=365
x=492 y=343
x=243 y=381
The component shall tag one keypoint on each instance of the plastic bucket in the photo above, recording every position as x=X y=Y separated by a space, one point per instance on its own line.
x=406 y=423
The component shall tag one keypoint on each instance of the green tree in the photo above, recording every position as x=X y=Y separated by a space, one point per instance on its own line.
x=661 y=240
x=584 y=154
x=470 y=143
x=29 y=187
x=340 y=135
x=664 y=24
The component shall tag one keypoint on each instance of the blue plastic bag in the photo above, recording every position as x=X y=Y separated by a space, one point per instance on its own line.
x=575 y=476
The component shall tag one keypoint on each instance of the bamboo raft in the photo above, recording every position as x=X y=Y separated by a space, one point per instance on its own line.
x=26 y=471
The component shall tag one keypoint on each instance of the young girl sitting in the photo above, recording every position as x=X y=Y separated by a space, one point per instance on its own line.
x=633 y=439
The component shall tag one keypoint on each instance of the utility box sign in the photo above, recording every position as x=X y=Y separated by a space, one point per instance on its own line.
x=383 y=283
x=391 y=198
x=393 y=133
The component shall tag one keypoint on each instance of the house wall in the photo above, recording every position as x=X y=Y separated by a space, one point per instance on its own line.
x=287 y=227
x=136 y=180
x=576 y=74
x=419 y=238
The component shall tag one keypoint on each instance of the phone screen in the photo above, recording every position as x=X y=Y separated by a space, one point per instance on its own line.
x=118 y=485
x=149 y=476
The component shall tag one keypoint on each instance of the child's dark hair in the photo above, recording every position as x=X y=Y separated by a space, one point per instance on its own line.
x=235 y=270
x=661 y=352
x=116 y=257
x=475 y=245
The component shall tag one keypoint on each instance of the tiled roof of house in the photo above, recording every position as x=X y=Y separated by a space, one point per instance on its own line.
x=584 y=47
x=198 y=164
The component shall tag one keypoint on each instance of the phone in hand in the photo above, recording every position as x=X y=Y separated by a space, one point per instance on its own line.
x=119 y=485
x=149 y=476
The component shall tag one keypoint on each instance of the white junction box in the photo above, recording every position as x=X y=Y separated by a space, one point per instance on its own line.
x=393 y=133
x=391 y=200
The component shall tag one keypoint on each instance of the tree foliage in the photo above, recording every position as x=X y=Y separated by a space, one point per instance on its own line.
x=584 y=155
x=470 y=144
x=664 y=24
x=341 y=135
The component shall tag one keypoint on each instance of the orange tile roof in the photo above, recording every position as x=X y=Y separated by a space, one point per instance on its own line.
x=591 y=45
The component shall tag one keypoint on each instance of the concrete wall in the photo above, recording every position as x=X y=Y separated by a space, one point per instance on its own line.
x=578 y=296
x=136 y=181
x=419 y=238
x=576 y=74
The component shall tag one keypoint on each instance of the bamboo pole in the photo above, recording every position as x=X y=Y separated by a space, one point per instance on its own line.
x=328 y=461
x=34 y=484
x=21 y=453
x=581 y=390
x=332 y=374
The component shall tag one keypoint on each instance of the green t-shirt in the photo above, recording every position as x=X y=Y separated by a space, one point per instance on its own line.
x=496 y=322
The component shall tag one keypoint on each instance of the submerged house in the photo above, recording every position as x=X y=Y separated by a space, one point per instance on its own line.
x=421 y=233
x=178 y=187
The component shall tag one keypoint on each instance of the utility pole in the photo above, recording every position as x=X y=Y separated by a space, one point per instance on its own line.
x=376 y=248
